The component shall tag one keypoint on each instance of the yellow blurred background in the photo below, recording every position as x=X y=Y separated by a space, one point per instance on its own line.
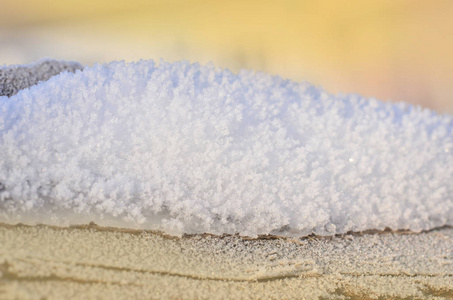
x=397 y=50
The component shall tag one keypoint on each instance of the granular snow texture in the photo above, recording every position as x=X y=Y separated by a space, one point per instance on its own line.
x=16 y=78
x=186 y=148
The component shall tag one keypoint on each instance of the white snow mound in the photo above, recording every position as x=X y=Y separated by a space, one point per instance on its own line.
x=186 y=148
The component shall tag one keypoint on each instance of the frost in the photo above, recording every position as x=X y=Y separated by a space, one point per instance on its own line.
x=186 y=148
x=16 y=78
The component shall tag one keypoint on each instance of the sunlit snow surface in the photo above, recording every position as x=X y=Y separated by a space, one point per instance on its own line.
x=191 y=149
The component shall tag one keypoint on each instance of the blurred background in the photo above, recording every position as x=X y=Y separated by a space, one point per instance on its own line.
x=395 y=50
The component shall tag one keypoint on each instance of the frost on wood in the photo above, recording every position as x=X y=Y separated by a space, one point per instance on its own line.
x=190 y=149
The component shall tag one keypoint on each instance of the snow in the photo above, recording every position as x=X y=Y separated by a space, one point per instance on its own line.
x=185 y=148
x=16 y=78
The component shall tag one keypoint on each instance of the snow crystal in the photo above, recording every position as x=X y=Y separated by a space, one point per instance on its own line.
x=186 y=148
x=16 y=78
